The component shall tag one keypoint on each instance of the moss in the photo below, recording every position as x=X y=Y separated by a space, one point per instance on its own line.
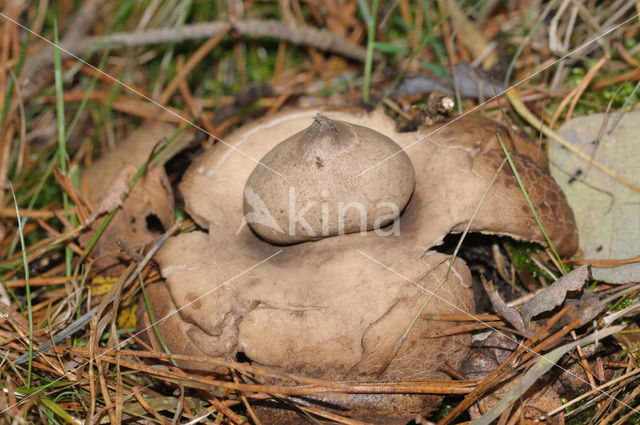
x=521 y=254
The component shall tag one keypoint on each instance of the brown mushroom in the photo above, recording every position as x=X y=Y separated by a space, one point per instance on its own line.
x=334 y=308
x=319 y=169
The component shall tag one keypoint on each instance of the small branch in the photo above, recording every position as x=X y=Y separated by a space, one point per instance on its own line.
x=296 y=34
x=74 y=33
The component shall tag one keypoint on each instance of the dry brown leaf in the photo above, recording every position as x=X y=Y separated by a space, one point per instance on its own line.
x=114 y=192
x=147 y=210
x=510 y=314
x=135 y=149
x=144 y=215
x=554 y=295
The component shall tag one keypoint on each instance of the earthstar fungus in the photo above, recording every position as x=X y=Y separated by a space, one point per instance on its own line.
x=333 y=307
x=325 y=170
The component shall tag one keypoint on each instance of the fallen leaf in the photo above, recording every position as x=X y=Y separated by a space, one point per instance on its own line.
x=145 y=214
x=114 y=192
x=554 y=295
x=510 y=314
x=134 y=149
x=541 y=398
x=590 y=305
x=586 y=308
x=630 y=340
x=606 y=211
x=148 y=208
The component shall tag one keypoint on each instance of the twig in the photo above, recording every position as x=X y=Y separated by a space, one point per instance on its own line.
x=328 y=415
x=605 y=262
x=123 y=103
x=243 y=397
x=146 y=406
x=76 y=29
x=296 y=34
x=625 y=55
x=526 y=347
x=584 y=83
x=9 y=212
x=195 y=59
x=221 y=408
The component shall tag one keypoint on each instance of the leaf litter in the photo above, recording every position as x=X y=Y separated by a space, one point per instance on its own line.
x=107 y=383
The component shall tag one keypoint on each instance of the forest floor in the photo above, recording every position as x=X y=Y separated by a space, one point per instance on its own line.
x=78 y=78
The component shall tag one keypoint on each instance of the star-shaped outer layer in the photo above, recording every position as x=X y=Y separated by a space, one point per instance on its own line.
x=335 y=307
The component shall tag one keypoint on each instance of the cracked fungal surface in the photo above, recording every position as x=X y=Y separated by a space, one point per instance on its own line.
x=347 y=305
x=333 y=308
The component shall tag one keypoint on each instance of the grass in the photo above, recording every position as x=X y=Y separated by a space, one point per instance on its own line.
x=62 y=137
x=27 y=287
x=152 y=319
x=77 y=115
x=370 y=19
x=533 y=208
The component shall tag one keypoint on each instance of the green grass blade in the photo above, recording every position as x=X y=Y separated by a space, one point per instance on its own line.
x=533 y=209
x=27 y=286
x=57 y=72
x=62 y=136
x=152 y=319
x=371 y=38
x=390 y=48
x=48 y=403
x=435 y=44
x=88 y=91
x=362 y=4
x=430 y=39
